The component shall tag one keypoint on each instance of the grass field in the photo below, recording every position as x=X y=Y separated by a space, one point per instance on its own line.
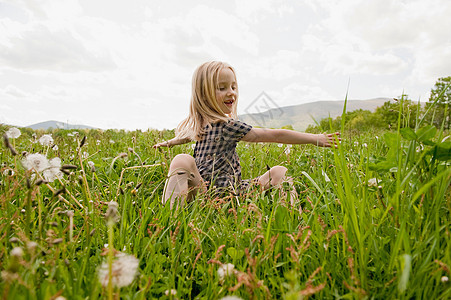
x=372 y=220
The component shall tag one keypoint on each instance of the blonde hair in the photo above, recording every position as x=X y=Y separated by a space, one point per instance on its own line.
x=204 y=108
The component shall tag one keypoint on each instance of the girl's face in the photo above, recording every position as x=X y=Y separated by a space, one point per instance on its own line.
x=227 y=90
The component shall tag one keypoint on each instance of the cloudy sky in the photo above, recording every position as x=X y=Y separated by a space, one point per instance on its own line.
x=128 y=64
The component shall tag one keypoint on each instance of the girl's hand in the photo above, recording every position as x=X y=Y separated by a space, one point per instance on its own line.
x=329 y=140
x=162 y=144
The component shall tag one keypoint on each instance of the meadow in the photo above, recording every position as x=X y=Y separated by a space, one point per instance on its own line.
x=81 y=218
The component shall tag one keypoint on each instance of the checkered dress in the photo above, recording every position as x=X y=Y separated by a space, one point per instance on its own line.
x=216 y=157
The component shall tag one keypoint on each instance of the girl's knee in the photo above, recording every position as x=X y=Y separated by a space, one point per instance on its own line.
x=183 y=161
x=278 y=171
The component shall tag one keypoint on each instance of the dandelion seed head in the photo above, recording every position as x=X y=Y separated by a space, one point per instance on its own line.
x=17 y=252
x=112 y=213
x=36 y=162
x=124 y=270
x=32 y=245
x=13 y=133
x=225 y=271
x=46 y=140
x=53 y=171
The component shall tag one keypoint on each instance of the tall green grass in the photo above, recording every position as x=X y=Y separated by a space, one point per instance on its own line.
x=372 y=221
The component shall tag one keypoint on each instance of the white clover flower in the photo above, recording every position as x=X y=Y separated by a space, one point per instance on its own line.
x=231 y=298
x=444 y=279
x=124 y=270
x=373 y=182
x=225 y=271
x=13 y=133
x=46 y=140
x=36 y=162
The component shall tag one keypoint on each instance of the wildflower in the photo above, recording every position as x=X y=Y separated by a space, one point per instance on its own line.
x=32 y=246
x=54 y=170
x=8 y=172
x=171 y=292
x=124 y=270
x=13 y=133
x=46 y=140
x=112 y=213
x=280 y=145
x=55 y=148
x=17 y=252
x=287 y=150
x=444 y=279
x=91 y=166
x=36 y=162
x=98 y=142
x=356 y=143
x=85 y=155
x=225 y=271
x=373 y=182
x=231 y=298
x=365 y=145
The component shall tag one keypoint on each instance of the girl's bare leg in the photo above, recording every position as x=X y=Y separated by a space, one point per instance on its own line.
x=183 y=181
x=275 y=177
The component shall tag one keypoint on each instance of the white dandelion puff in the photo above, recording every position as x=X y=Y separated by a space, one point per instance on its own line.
x=46 y=140
x=124 y=270
x=13 y=133
x=225 y=271
x=36 y=162
x=17 y=252
x=54 y=170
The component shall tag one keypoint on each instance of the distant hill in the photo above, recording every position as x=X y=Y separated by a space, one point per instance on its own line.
x=302 y=115
x=57 y=125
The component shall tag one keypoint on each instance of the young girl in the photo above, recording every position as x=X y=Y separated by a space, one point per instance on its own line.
x=213 y=124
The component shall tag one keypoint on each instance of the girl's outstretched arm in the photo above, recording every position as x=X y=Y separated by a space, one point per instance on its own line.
x=286 y=136
x=172 y=142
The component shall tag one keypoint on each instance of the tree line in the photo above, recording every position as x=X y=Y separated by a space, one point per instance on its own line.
x=400 y=110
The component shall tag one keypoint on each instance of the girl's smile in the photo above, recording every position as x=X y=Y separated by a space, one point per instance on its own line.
x=226 y=91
